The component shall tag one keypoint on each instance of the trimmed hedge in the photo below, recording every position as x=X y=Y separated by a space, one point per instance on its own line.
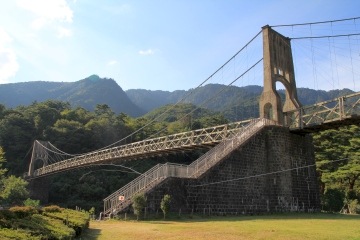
x=50 y=222
x=52 y=208
x=11 y=234
x=75 y=219
x=22 y=212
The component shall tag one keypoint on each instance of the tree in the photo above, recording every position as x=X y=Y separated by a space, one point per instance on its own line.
x=32 y=203
x=165 y=204
x=333 y=200
x=139 y=203
x=16 y=135
x=14 y=190
x=2 y=161
x=342 y=145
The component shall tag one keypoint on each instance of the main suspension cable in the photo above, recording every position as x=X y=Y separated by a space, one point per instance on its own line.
x=313 y=23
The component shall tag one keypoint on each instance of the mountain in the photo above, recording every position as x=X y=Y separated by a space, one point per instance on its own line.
x=236 y=103
x=221 y=96
x=86 y=93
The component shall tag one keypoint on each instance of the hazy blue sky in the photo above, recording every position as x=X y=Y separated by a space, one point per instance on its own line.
x=148 y=44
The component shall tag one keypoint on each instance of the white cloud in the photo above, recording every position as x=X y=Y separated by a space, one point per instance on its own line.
x=147 y=52
x=38 y=23
x=112 y=62
x=47 y=11
x=8 y=63
x=64 y=32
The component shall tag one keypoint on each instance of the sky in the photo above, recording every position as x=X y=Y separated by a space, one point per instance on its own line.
x=156 y=45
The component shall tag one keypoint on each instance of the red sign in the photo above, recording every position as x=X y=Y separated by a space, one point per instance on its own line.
x=121 y=198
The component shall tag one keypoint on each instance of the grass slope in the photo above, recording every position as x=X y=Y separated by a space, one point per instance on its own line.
x=287 y=226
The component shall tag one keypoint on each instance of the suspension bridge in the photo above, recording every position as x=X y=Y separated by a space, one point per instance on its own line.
x=222 y=141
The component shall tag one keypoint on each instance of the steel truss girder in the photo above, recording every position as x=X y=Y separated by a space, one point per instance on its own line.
x=319 y=115
x=152 y=147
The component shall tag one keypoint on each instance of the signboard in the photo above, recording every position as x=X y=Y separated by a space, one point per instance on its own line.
x=121 y=198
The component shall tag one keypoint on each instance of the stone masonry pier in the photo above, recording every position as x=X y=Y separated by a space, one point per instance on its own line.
x=254 y=179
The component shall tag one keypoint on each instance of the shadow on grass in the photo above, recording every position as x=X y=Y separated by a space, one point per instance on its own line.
x=272 y=217
x=90 y=234
x=286 y=216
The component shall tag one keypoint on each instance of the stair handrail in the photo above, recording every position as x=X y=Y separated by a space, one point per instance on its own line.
x=226 y=146
x=155 y=174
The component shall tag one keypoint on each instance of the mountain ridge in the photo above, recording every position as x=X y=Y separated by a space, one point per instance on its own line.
x=86 y=93
x=236 y=103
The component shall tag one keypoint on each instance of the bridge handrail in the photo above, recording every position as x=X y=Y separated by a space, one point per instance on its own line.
x=145 y=175
x=156 y=174
x=326 y=111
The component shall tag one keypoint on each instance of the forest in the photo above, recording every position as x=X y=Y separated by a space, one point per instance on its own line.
x=77 y=130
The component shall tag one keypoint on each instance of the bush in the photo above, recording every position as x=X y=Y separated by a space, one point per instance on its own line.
x=92 y=212
x=139 y=202
x=22 y=212
x=354 y=206
x=52 y=208
x=333 y=200
x=165 y=204
x=6 y=217
x=7 y=234
x=32 y=203
x=46 y=227
x=78 y=220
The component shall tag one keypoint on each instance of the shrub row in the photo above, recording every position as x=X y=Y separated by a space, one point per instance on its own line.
x=50 y=222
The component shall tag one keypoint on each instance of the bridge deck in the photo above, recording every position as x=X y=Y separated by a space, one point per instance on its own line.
x=202 y=138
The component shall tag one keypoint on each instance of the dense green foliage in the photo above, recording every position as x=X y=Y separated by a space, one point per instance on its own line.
x=338 y=165
x=13 y=189
x=2 y=161
x=32 y=203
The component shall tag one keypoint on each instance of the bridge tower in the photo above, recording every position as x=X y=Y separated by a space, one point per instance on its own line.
x=39 y=187
x=39 y=153
x=278 y=66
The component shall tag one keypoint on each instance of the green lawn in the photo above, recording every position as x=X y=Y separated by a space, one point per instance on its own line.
x=287 y=226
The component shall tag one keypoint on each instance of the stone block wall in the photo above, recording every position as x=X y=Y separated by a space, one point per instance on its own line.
x=255 y=178
x=39 y=189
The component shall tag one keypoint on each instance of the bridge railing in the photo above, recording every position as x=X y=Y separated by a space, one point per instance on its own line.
x=171 y=143
x=324 y=112
x=122 y=197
